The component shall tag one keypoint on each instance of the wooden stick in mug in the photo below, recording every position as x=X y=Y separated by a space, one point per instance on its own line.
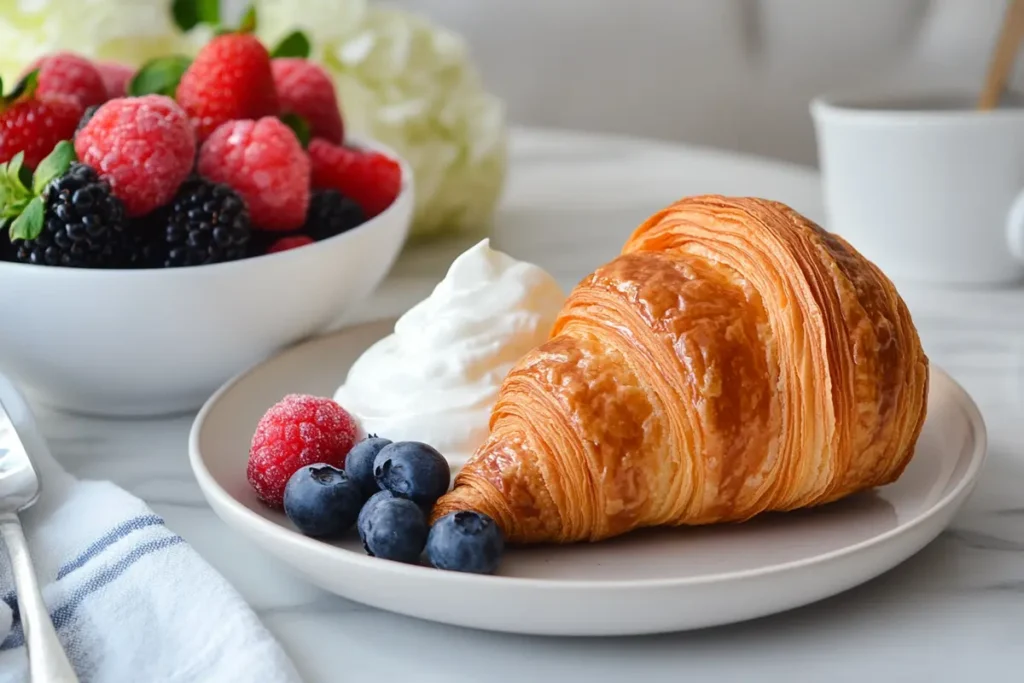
x=1004 y=56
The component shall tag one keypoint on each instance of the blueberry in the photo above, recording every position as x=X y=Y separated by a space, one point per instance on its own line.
x=465 y=542
x=369 y=505
x=322 y=500
x=393 y=528
x=413 y=470
x=359 y=463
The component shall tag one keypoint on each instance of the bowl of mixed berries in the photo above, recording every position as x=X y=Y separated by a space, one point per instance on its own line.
x=162 y=229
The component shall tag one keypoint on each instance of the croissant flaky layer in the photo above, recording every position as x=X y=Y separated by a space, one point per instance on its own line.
x=734 y=359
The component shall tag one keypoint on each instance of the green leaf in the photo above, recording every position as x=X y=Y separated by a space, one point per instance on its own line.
x=14 y=195
x=29 y=224
x=14 y=166
x=299 y=126
x=159 y=76
x=248 y=24
x=188 y=14
x=295 y=44
x=25 y=88
x=208 y=11
x=185 y=13
x=53 y=166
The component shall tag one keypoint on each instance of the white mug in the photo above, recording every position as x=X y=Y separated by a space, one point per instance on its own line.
x=927 y=188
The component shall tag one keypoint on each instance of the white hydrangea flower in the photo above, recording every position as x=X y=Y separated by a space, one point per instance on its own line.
x=129 y=31
x=411 y=84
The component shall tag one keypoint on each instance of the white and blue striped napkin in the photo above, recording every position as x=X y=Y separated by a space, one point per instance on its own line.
x=131 y=601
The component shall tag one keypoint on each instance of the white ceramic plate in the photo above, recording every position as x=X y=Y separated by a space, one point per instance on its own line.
x=647 y=582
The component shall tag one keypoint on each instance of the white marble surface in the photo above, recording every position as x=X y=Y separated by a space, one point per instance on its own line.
x=953 y=611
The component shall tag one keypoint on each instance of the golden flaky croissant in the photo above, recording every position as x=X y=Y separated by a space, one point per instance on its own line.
x=734 y=359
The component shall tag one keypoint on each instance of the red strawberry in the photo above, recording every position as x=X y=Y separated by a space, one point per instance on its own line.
x=264 y=163
x=229 y=79
x=299 y=430
x=143 y=146
x=371 y=179
x=286 y=243
x=115 y=78
x=65 y=73
x=35 y=125
x=304 y=88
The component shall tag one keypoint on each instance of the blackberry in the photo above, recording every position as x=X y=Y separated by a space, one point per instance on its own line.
x=83 y=224
x=205 y=223
x=331 y=213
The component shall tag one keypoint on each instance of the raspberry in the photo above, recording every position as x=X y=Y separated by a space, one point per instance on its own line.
x=286 y=243
x=64 y=73
x=304 y=88
x=36 y=126
x=264 y=163
x=371 y=179
x=297 y=431
x=143 y=146
x=115 y=78
x=229 y=79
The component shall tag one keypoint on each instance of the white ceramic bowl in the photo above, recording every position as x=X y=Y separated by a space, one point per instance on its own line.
x=160 y=341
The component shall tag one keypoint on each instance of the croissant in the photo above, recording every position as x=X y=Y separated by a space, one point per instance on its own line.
x=734 y=359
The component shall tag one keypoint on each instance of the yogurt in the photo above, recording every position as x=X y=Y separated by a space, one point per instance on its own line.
x=436 y=378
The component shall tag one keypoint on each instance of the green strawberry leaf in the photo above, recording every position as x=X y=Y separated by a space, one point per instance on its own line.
x=159 y=76
x=53 y=166
x=14 y=194
x=190 y=13
x=249 y=23
x=25 y=88
x=299 y=126
x=295 y=44
x=29 y=224
x=13 y=167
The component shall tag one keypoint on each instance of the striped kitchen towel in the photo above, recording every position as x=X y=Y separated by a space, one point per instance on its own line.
x=132 y=602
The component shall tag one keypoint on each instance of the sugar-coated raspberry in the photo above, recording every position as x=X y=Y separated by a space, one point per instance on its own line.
x=304 y=88
x=229 y=79
x=286 y=243
x=297 y=431
x=36 y=126
x=371 y=179
x=143 y=146
x=65 y=73
x=265 y=164
x=115 y=78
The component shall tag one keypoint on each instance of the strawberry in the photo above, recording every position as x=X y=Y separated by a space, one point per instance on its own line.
x=306 y=90
x=371 y=179
x=35 y=125
x=229 y=79
x=65 y=73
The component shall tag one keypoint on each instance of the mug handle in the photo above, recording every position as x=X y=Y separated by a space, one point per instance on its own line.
x=1015 y=227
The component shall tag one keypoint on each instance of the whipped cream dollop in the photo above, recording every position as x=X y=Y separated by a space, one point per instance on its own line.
x=436 y=378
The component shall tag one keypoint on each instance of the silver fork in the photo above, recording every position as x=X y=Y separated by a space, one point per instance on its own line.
x=19 y=488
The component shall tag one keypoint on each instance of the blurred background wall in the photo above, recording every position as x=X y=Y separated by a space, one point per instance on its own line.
x=736 y=74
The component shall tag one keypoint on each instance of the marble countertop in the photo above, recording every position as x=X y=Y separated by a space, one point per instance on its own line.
x=954 y=610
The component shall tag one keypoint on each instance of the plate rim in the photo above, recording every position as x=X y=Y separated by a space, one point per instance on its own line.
x=211 y=488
